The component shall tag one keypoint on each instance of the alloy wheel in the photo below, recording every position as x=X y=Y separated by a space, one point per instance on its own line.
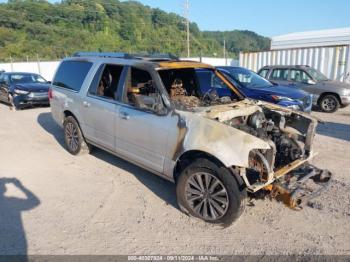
x=206 y=196
x=72 y=136
x=328 y=104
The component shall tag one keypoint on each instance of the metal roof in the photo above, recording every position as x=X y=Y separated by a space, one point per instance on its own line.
x=330 y=37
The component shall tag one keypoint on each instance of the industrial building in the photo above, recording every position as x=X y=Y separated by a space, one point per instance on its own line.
x=325 y=50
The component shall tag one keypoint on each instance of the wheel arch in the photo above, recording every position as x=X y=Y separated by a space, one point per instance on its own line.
x=189 y=156
x=68 y=113
x=328 y=93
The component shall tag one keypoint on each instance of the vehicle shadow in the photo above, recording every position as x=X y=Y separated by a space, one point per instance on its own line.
x=12 y=234
x=46 y=121
x=164 y=189
x=159 y=186
x=335 y=130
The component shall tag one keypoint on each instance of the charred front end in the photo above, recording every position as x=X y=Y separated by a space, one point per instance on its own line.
x=283 y=170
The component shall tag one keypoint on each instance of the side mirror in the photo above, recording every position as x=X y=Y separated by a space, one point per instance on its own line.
x=49 y=82
x=310 y=82
x=152 y=103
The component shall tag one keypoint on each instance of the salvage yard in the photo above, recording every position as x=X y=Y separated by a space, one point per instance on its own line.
x=100 y=204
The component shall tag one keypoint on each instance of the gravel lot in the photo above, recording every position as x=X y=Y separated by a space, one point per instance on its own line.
x=100 y=204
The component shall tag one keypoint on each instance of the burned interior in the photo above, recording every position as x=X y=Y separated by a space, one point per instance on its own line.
x=189 y=88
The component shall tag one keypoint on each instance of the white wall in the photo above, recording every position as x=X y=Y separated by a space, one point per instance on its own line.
x=334 y=62
x=48 y=69
x=214 y=61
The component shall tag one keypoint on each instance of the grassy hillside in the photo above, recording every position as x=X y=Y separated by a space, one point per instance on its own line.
x=32 y=27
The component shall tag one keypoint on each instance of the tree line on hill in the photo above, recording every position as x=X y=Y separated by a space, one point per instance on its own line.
x=38 y=28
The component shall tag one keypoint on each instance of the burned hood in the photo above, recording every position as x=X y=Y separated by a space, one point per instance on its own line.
x=226 y=112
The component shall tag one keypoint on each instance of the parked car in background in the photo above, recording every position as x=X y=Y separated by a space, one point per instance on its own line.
x=23 y=89
x=327 y=94
x=152 y=112
x=256 y=87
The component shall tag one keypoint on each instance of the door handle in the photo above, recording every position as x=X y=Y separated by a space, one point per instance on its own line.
x=86 y=104
x=124 y=115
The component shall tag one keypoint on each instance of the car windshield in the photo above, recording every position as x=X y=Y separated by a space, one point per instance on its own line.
x=316 y=75
x=26 y=78
x=197 y=87
x=247 y=78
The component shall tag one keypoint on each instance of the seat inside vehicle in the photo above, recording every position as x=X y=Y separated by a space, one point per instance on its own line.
x=109 y=80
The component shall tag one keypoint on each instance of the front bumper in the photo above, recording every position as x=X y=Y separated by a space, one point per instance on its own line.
x=345 y=100
x=31 y=99
x=297 y=188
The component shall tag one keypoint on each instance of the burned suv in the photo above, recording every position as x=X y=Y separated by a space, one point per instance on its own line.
x=150 y=110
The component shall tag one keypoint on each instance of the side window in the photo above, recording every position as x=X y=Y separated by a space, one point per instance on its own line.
x=6 y=79
x=140 y=91
x=280 y=74
x=106 y=80
x=263 y=73
x=297 y=75
x=71 y=74
x=208 y=80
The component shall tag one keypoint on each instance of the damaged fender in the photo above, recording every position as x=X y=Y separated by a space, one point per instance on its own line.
x=231 y=146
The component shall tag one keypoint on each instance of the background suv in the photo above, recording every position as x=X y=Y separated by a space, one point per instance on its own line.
x=327 y=94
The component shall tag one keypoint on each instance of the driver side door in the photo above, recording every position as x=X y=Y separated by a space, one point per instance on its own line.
x=141 y=132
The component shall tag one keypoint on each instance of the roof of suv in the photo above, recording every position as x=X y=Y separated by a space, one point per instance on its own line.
x=164 y=61
x=286 y=66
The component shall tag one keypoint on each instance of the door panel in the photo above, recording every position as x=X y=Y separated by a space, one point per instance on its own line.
x=142 y=136
x=99 y=118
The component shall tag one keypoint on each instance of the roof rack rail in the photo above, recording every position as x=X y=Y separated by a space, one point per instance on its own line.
x=101 y=54
x=155 y=56
x=141 y=56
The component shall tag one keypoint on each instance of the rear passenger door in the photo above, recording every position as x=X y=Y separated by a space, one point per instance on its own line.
x=280 y=76
x=100 y=108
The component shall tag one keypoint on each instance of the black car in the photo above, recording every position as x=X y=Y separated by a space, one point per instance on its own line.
x=23 y=89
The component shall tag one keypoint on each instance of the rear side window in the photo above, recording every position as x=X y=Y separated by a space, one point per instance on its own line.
x=280 y=74
x=263 y=73
x=71 y=74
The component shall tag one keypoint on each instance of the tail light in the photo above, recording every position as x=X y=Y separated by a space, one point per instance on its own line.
x=50 y=93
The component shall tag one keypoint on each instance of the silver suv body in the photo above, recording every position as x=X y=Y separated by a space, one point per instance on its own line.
x=153 y=113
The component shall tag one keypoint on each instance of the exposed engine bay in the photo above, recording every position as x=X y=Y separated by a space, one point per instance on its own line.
x=282 y=170
x=280 y=131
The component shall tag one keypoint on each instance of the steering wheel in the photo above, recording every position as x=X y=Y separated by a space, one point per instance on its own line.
x=210 y=96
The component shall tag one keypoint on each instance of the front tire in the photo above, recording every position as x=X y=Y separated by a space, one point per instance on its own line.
x=73 y=137
x=209 y=192
x=329 y=103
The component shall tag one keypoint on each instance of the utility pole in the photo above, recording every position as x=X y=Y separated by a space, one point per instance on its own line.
x=225 y=51
x=187 y=22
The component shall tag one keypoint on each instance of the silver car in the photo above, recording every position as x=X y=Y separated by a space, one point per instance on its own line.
x=150 y=110
x=327 y=94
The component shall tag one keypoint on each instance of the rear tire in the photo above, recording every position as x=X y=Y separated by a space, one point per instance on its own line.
x=210 y=192
x=73 y=137
x=329 y=103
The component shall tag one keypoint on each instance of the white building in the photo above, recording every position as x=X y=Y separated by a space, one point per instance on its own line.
x=320 y=38
x=325 y=50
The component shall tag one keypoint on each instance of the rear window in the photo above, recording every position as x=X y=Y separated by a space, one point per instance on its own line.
x=71 y=74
